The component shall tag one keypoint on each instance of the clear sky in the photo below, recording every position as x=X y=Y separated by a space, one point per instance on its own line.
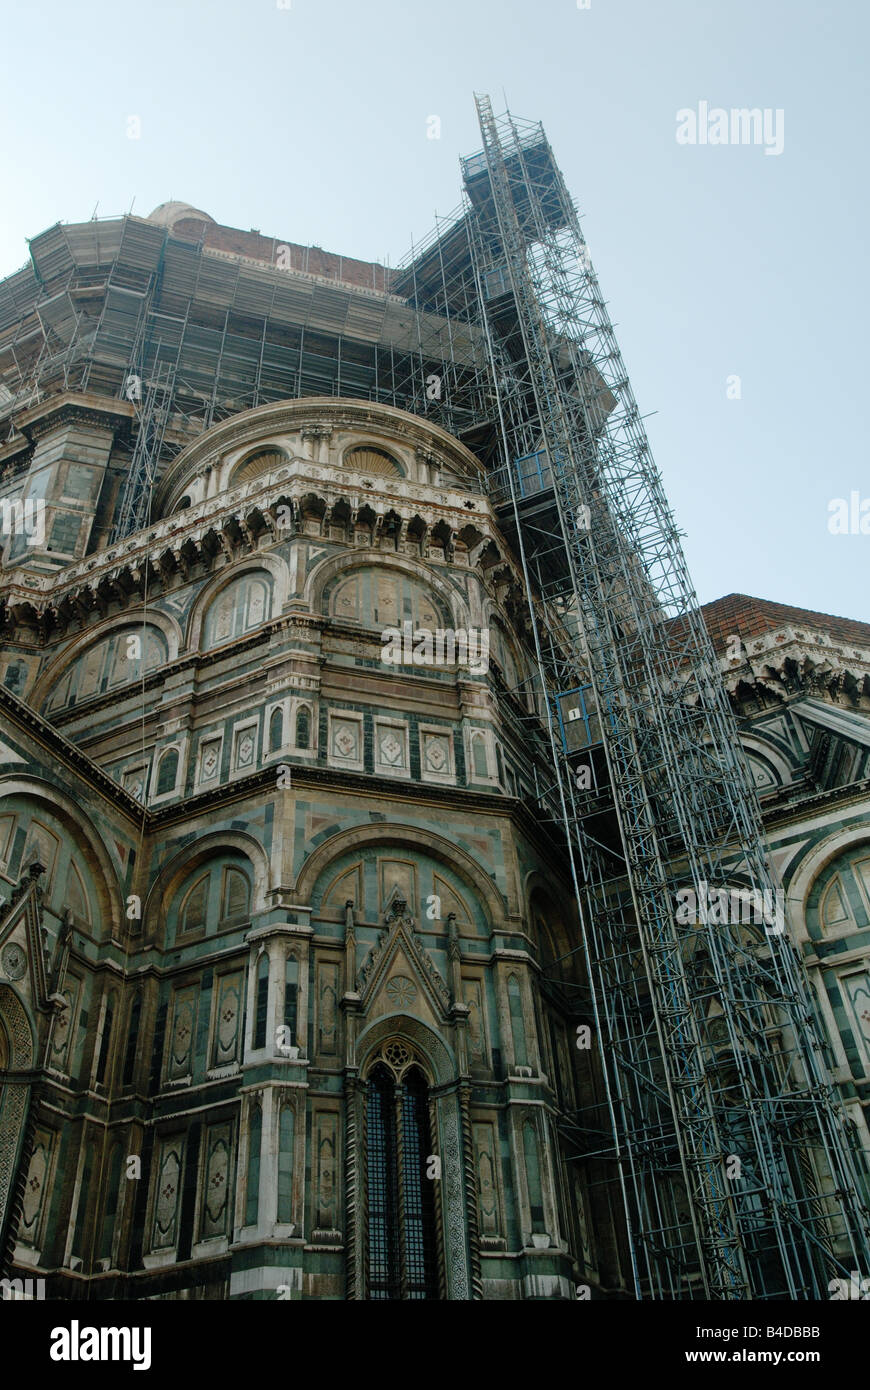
x=719 y=261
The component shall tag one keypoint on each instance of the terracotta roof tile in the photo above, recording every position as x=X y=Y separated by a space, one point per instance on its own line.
x=751 y=617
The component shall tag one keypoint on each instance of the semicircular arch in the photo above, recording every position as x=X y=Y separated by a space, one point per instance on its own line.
x=346 y=562
x=273 y=565
x=172 y=875
x=87 y=641
x=106 y=873
x=804 y=873
x=437 y=847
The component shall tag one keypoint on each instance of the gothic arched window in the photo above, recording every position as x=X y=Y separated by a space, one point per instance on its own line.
x=303 y=727
x=276 y=730
x=402 y=1248
x=478 y=755
x=262 y=1001
x=167 y=772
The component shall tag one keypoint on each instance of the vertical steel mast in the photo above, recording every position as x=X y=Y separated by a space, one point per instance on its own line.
x=735 y=1159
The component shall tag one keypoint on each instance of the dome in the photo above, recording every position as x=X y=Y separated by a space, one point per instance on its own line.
x=167 y=214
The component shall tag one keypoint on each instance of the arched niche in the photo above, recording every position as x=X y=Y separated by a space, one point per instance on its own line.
x=380 y=596
x=323 y=578
x=270 y=570
x=106 y=660
x=363 y=457
x=838 y=901
x=473 y=884
x=257 y=463
x=177 y=879
x=805 y=871
x=80 y=858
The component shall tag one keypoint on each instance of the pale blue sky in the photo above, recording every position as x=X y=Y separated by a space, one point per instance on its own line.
x=309 y=123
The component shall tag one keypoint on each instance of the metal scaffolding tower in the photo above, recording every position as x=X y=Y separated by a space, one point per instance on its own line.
x=734 y=1159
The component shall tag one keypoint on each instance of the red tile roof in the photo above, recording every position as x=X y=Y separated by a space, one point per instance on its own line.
x=752 y=617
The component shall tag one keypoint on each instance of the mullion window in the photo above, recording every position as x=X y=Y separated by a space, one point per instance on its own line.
x=383 y=1189
x=402 y=1252
x=418 y=1192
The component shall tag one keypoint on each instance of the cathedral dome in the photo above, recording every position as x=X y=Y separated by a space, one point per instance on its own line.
x=167 y=214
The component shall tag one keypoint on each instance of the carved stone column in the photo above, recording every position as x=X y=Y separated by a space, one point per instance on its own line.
x=355 y=1193
x=453 y=1198
x=470 y=1175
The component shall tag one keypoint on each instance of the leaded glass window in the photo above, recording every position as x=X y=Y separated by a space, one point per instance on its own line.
x=262 y=1003
x=402 y=1250
x=276 y=730
x=303 y=727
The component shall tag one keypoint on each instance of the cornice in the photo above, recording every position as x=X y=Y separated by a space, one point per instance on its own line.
x=232 y=526
x=33 y=724
x=801 y=809
x=149 y=820
x=789 y=660
x=87 y=407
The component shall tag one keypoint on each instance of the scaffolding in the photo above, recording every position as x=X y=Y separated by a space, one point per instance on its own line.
x=736 y=1166
x=210 y=334
x=719 y=1129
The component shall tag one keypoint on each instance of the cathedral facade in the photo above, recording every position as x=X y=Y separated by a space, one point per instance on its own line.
x=292 y=1000
x=281 y=912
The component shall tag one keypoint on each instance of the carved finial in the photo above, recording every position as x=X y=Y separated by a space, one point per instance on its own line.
x=397 y=906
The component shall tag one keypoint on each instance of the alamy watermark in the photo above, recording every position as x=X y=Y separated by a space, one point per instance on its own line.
x=23 y=518
x=720 y=906
x=742 y=125
x=857 y=1286
x=423 y=646
x=849 y=516
x=21 y=1290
